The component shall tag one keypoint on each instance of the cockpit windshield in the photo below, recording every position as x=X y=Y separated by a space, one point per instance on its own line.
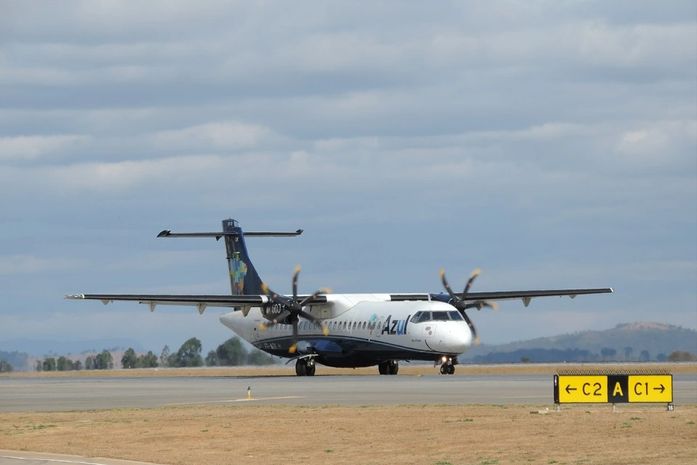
x=423 y=316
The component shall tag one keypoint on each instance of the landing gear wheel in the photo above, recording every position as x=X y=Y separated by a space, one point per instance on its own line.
x=393 y=367
x=305 y=367
x=301 y=367
x=310 y=368
x=447 y=368
x=388 y=367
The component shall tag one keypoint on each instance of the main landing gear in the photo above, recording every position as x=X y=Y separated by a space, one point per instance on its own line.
x=447 y=366
x=305 y=367
x=388 y=367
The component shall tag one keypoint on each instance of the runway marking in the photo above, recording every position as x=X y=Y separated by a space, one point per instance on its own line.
x=229 y=401
x=34 y=459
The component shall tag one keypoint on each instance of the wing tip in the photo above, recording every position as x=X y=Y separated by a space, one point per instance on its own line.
x=75 y=296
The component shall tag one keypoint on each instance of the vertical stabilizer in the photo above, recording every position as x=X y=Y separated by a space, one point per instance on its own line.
x=243 y=277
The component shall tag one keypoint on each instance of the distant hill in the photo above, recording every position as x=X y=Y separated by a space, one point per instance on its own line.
x=640 y=341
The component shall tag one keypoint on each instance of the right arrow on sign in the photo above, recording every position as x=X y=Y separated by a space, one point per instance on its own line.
x=661 y=388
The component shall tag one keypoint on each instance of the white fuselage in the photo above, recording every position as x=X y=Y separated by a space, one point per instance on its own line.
x=363 y=329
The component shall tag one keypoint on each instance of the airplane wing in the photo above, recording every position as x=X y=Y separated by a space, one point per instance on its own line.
x=526 y=296
x=238 y=302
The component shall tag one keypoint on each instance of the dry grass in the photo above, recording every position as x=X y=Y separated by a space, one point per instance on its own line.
x=458 y=435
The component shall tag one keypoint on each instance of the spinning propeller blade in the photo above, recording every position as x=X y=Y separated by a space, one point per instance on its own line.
x=460 y=302
x=293 y=309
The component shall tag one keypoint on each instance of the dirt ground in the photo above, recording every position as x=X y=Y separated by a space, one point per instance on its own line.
x=411 y=434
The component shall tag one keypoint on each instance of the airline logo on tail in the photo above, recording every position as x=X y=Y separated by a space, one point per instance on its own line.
x=238 y=270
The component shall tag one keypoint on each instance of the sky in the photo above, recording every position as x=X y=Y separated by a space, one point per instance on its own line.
x=553 y=144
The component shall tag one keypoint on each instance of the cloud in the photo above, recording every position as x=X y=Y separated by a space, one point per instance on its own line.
x=660 y=143
x=29 y=148
x=228 y=135
x=658 y=46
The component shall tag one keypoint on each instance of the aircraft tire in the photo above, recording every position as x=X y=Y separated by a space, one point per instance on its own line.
x=447 y=369
x=388 y=367
x=301 y=367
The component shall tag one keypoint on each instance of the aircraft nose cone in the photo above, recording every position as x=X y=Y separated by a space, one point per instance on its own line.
x=453 y=338
x=461 y=339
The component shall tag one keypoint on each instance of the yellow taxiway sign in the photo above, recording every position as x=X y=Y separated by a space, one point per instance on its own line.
x=584 y=389
x=650 y=388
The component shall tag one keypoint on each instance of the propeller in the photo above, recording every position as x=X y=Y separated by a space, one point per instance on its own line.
x=461 y=304
x=293 y=309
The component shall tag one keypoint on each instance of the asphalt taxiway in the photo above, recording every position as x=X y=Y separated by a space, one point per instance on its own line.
x=65 y=394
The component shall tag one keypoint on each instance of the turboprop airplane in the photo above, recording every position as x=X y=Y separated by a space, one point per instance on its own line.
x=339 y=330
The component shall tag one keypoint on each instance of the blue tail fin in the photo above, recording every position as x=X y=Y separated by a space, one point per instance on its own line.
x=244 y=279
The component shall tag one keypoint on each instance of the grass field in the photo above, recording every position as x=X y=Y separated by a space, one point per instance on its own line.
x=409 y=434
x=251 y=434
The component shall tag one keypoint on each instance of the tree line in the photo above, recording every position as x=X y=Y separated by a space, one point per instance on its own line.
x=5 y=367
x=101 y=361
x=230 y=353
x=9 y=361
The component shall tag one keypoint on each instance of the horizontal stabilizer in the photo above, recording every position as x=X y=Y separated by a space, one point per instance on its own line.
x=218 y=235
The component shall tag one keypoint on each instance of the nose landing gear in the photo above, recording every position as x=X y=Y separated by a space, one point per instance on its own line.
x=447 y=366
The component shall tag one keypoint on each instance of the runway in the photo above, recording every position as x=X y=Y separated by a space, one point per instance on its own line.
x=79 y=393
